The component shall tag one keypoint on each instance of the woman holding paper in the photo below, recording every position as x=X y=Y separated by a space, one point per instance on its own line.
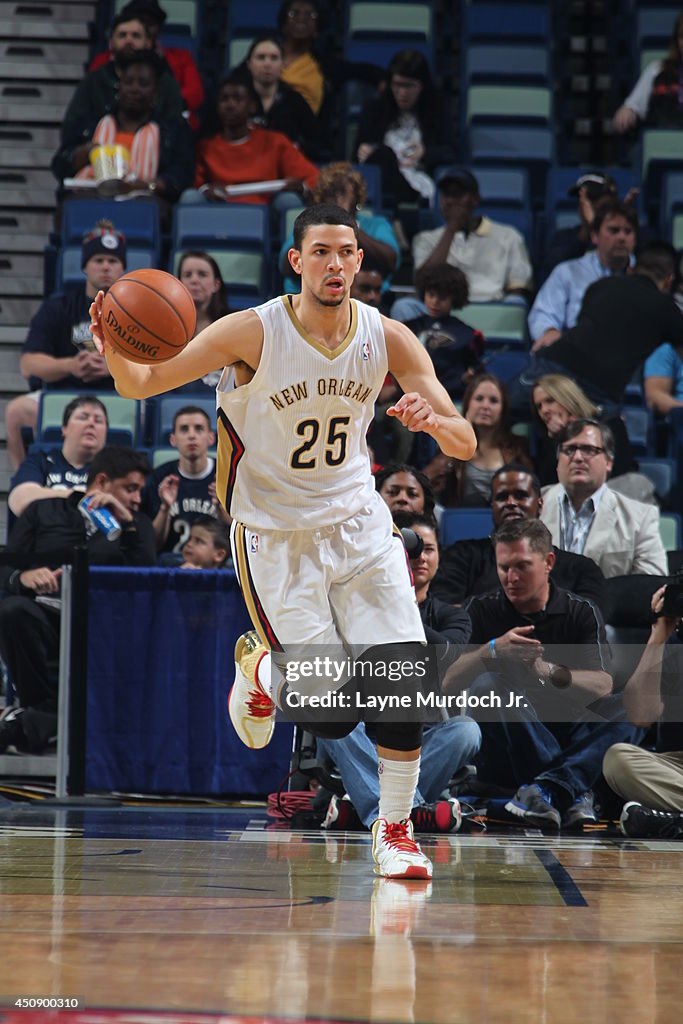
x=259 y=161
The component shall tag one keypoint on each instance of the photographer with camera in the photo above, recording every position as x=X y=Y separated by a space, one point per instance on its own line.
x=652 y=781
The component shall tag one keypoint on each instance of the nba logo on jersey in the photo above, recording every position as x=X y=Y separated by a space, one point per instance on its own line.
x=365 y=351
x=254 y=543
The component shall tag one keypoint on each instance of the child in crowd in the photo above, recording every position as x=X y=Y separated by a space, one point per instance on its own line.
x=455 y=347
x=208 y=546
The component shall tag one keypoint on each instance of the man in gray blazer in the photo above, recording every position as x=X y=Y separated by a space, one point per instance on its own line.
x=583 y=515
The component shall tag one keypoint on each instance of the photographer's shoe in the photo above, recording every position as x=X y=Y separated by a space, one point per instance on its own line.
x=396 y=853
x=251 y=710
x=581 y=812
x=533 y=806
x=640 y=822
x=442 y=816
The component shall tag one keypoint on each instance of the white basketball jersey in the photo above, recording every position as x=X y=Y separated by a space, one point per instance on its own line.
x=291 y=443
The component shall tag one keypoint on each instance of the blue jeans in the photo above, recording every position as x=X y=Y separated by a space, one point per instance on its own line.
x=446 y=747
x=517 y=748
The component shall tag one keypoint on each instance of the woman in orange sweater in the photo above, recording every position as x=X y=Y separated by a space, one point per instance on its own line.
x=240 y=153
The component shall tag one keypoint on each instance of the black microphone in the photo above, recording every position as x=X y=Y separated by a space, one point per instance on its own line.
x=413 y=542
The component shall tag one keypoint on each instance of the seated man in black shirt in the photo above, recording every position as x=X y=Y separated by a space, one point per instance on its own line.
x=542 y=663
x=622 y=320
x=45 y=536
x=468 y=567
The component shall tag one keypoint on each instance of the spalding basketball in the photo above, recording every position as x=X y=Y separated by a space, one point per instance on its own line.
x=148 y=316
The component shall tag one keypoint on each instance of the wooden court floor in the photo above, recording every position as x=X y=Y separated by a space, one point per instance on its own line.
x=202 y=915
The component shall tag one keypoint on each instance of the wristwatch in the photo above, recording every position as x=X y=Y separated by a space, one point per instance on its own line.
x=559 y=676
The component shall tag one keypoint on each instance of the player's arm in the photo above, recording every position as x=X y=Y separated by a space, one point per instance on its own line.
x=238 y=336
x=425 y=404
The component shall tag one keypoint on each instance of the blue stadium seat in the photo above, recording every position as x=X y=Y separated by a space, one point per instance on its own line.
x=670 y=531
x=165 y=408
x=508 y=63
x=530 y=145
x=640 y=428
x=139 y=221
x=507 y=186
x=243 y=226
x=373 y=182
x=464 y=524
x=504 y=22
x=69 y=271
x=508 y=365
x=662 y=473
x=248 y=18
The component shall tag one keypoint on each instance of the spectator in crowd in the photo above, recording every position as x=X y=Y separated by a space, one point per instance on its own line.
x=340 y=184
x=298 y=23
x=56 y=474
x=455 y=348
x=663 y=379
x=620 y=322
x=180 y=490
x=179 y=59
x=282 y=108
x=468 y=567
x=405 y=489
x=59 y=350
x=557 y=400
x=556 y=307
x=240 y=153
x=656 y=98
x=492 y=256
x=44 y=537
x=573 y=242
x=202 y=277
x=370 y=284
x=587 y=517
x=447 y=746
x=208 y=546
x=461 y=484
x=405 y=131
x=161 y=151
x=652 y=781
x=96 y=94
x=541 y=650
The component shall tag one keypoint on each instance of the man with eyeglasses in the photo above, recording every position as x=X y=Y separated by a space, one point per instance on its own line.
x=584 y=516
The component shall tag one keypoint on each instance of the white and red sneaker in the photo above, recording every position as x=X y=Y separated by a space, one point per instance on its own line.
x=396 y=853
x=251 y=710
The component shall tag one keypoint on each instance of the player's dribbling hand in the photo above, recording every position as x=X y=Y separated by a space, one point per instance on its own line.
x=96 y=322
x=414 y=412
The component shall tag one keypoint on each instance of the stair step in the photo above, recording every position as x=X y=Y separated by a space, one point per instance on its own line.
x=15 y=287
x=19 y=177
x=22 y=243
x=35 y=92
x=29 y=197
x=28 y=28
x=25 y=222
x=13 y=265
x=29 y=765
x=27 y=157
x=12 y=334
x=18 y=311
x=32 y=113
x=14 y=384
x=20 y=136
x=37 y=52
x=12 y=11
x=37 y=70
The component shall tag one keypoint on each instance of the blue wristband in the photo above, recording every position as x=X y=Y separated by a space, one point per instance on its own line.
x=492 y=648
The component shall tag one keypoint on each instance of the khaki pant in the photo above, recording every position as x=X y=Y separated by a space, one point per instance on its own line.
x=655 y=780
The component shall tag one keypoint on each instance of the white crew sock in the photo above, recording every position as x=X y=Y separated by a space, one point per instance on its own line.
x=397 y=785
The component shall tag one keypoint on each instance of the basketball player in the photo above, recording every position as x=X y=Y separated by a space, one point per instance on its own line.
x=312 y=540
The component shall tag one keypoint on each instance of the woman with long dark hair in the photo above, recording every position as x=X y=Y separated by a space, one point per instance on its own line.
x=485 y=406
x=202 y=277
x=404 y=129
x=283 y=109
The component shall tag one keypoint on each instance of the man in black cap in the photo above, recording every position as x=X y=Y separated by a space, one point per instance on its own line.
x=570 y=243
x=493 y=256
x=58 y=349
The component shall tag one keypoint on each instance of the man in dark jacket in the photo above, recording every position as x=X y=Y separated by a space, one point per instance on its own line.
x=468 y=567
x=43 y=538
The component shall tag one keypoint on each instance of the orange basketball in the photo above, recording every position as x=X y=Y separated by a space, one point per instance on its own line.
x=148 y=316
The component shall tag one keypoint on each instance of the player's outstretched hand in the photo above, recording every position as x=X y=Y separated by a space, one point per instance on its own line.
x=414 y=412
x=96 y=322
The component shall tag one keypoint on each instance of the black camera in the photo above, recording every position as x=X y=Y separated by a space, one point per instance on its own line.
x=673 y=600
